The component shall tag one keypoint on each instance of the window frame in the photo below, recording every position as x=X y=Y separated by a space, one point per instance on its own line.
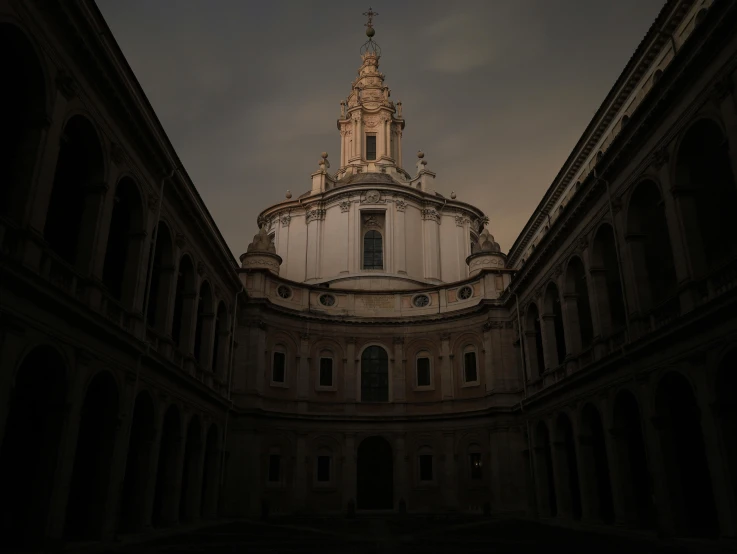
x=389 y=391
x=475 y=451
x=468 y=350
x=279 y=482
x=376 y=147
x=325 y=355
x=363 y=251
x=426 y=451
x=279 y=349
x=431 y=386
x=330 y=483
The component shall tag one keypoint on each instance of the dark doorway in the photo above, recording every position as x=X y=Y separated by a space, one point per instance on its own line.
x=594 y=453
x=167 y=480
x=189 y=501
x=375 y=475
x=570 y=464
x=92 y=460
x=208 y=499
x=30 y=448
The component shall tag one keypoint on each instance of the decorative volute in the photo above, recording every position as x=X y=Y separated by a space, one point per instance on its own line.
x=370 y=123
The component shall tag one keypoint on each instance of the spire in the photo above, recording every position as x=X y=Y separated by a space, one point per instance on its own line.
x=370 y=123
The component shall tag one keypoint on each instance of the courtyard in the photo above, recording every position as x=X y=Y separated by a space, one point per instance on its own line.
x=409 y=535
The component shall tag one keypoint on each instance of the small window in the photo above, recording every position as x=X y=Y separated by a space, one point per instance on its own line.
x=370 y=147
x=326 y=372
x=274 y=467
x=284 y=291
x=425 y=467
x=475 y=459
x=421 y=300
x=469 y=366
x=279 y=369
x=323 y=469
x=423 y=372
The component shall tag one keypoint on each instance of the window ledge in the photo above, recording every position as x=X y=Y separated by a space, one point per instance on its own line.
x=425 y=388
x=471 y=384
x=279 y=385
x=320 y=388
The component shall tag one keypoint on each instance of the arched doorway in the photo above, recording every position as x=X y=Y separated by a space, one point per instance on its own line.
x=374 y=375
x=165 y=510
x=594 y=457
x=636 y=484
x=191 y=474
x=137 y=479
x=691 y=496
x=23 y=102
x=93 y=458
x=569 y=465
x=30 y=447
x=375 y=475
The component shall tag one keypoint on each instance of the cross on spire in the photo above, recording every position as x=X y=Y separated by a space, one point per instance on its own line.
x=370 y=14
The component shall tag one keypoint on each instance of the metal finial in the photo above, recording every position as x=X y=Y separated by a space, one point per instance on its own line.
x=370 y=14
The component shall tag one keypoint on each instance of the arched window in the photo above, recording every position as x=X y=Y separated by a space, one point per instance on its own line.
x=373 y=251
x=374 y=375
x=423 y=367
x=470 y=366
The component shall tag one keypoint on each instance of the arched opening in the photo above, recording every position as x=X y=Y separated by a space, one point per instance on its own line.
x=534 y=341
x=189 y=501
x=122 y=255
x=23 y=102
x=220 y=343
x=161 y=279
x=548 y=501
x=375 y=475
x=184 y=304
x=726 y=392
x=166 y=496
x=373 y=250
x=650 y=246
x=691 y=496
x=636 y=485
x=29 y=452
x=569 y=465
x=92 y=459
x=553 y=321
x=137 y=480
x=606 y=281
x=204 y=328
x=76 y=196
x=594 y=457
x=577 y=302
x=209 y=495
x=704 y=179
x=374 y=375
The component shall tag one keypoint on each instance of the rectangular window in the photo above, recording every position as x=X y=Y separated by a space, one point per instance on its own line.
x=370 y=147
x=423 y=372
x=426 y=467
x=274 y=466
x=469 y=360
x=326 y=372
x=280 y=362
x=323 y=468
x=475 y=465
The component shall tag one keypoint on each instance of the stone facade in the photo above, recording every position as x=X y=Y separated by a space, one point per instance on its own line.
x=148 y=379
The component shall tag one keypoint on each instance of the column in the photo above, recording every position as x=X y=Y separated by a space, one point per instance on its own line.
x=400 y=237
x=561 y=472
x=446 y=372
x=303 y=364
x=151 y=474
x=350 y=370
x=207 y=322
x=542 y=485
x=449 y=478
x=349 y=472
x=10 y=353
x=550 y=348
x=301 y=478
x=586 y=474
x=398 y=374
x=401 y=476
x=572 y=323
x=492 y=382
x=612 y=441
x=531 y=355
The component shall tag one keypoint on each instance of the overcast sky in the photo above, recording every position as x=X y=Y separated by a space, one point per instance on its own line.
x=496 y=93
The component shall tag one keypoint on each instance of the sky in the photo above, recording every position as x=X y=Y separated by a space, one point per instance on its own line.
x=495 y=92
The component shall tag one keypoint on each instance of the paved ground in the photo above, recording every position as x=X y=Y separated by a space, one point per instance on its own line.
x=410 y=535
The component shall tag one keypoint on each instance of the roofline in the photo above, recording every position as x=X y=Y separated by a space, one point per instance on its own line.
x=651 y=35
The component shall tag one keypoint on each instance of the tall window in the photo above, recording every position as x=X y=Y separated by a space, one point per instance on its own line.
x=373 y=252
x=374 y=375
x=475 y=460
x=326 y=372
x=423 y=370
x=469 y=366
x=370 y=147
x=279 y=367
x=425 y=467
x=323 y=469
x=274 y=467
